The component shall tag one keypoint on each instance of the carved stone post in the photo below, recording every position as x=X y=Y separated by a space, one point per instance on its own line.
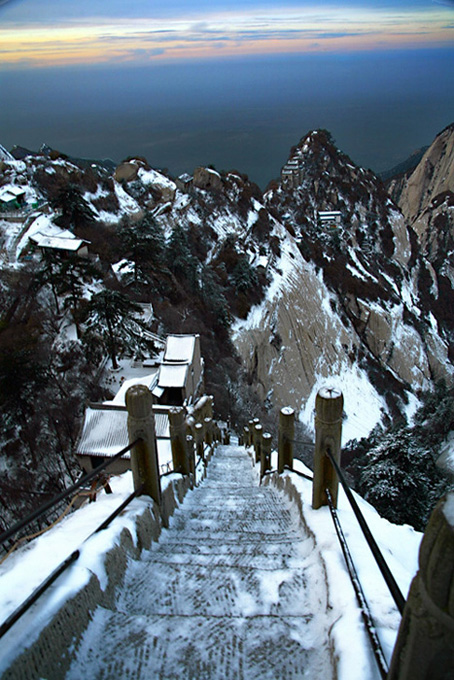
x=286 y=437
x=425 y=644
x=190 y=453
x=257 y=441
x=246 y=437
x=251 y=432
x=208 y=431
x=177 y=426
x=329 y=404
x=265 y=460
x=198 y=428
x=144 y=455
x=209 y=407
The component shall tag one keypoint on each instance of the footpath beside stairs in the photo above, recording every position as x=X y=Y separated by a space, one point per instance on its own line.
x=233 y=589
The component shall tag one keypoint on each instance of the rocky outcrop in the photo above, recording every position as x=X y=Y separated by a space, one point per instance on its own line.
x=126 y=172
x=300 y=338
x=205 y=178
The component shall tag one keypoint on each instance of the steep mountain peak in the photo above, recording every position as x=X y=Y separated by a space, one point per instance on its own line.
x=315 y=154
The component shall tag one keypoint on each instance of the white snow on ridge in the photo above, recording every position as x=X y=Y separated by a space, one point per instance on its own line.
x=363 y=406
x=127 y=203
x=157 y=179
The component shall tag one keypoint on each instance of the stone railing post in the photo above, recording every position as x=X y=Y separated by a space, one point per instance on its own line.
x=425 y=643
x=177 y=426
x=265 y=460
x=208 y=425
x=329 y=404
x=246 y=438
x=208 y=413
x=257 y=441
x=198 y=429
x=190 y=453
x=286 y=437
x=226 y=437
x=144 y=455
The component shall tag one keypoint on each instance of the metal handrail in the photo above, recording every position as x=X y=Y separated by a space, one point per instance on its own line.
x=41 y=589
x=361 y=598
x=297 y=472
x=376 y=552
x=6 y=535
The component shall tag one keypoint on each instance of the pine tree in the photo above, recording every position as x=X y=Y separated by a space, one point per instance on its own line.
x=111 y=317
x=180 y=259
x=143 y=243
x=75 y=211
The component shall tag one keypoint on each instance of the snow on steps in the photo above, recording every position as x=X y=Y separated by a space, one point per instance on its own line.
x=233 y=589
x=41 y=644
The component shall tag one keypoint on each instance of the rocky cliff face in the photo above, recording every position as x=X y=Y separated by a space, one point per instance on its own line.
x=344 y=306
x=432 y=177
x=426 y=199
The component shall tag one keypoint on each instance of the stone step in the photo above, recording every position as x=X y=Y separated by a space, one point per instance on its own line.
x=231 y=590
x=170 y=647
x=216 y=590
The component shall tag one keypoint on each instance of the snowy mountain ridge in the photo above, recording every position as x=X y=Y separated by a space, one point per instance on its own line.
x=346 y=305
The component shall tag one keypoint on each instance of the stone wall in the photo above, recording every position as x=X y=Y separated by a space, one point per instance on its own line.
x=50 y=650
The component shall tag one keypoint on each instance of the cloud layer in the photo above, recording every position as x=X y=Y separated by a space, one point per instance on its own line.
x=48 y=32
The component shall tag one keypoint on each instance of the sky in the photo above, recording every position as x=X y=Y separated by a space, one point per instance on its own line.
x=229 y=83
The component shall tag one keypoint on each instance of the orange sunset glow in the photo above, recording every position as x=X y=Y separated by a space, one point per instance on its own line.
x=222 y=34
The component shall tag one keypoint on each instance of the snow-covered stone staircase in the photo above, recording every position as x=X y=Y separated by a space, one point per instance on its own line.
x=233 y=589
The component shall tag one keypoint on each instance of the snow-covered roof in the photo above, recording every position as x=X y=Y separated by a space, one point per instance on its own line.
x=58 y=243
x=10 y=192
x=172 y=375
x=147 y=380
x=180 y=348
x=105 y=430
x=327 y=214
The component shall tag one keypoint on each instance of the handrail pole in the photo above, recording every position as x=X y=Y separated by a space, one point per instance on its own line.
x=177 y=426
x=257 y=441
x=286 y=437
x=265 y=454
x=380 y=560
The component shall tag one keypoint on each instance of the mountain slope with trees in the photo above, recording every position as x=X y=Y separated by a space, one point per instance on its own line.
x=283 y=304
